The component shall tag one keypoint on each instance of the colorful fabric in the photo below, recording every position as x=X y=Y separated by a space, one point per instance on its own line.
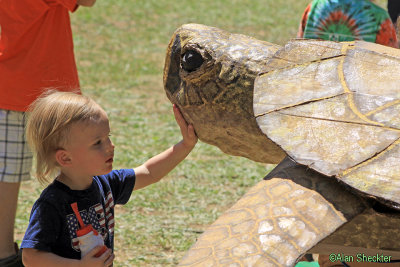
x=36 y=50
x=348 y=20
x=15 y=155
x=53 y=224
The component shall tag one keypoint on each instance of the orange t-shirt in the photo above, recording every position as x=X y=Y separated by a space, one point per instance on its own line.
x=36 y=50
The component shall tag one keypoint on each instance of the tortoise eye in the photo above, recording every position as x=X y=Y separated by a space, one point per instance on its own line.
x=191 y=60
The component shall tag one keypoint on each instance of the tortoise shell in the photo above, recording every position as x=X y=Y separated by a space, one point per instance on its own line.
x=335 y=108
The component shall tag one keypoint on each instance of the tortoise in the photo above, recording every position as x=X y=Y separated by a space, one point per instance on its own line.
x=326 y=112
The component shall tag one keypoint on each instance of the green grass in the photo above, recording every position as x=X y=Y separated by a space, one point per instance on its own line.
x=120 y=48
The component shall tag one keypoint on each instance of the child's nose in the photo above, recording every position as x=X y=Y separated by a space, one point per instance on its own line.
x=110 y=145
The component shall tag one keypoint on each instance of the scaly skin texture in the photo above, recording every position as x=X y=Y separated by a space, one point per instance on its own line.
x=272 y=225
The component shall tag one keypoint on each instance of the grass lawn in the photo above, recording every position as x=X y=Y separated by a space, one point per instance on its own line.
x=120 y=48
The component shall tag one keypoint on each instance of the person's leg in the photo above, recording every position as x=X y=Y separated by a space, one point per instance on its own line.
x=8 y=208
x=15 y=166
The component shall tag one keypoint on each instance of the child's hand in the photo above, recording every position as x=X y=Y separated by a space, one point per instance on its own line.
x=105 y=260
x=188 y=134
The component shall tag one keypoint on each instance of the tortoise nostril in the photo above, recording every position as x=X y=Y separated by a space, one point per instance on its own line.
x=191 y=60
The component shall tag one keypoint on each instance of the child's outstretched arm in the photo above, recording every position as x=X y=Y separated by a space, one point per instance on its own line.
x=160 y=165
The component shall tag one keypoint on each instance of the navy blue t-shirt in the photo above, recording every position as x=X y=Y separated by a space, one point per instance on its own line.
x=53 y=224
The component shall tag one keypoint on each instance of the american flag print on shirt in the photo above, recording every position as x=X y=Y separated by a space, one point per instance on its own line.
x=102 y=221
x=109 y=213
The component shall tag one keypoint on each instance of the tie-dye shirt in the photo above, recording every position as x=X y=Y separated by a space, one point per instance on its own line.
x=347 y=20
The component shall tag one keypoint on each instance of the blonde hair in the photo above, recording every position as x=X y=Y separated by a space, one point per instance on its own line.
x=49 y=120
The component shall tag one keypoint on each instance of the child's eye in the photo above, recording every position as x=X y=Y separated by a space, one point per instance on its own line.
x=98 y=142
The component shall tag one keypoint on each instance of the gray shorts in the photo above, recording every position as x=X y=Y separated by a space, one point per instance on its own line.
x=15 y=155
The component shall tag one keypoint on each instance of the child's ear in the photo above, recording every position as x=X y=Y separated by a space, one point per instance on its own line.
x=63 y=158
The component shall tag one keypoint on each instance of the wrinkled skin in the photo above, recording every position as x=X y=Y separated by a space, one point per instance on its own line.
x=210 y=76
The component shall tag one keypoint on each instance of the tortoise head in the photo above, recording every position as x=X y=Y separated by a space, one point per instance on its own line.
x=209 y=74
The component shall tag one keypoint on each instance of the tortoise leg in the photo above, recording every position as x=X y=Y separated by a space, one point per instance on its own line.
x=277 y=221
x=274 y=224
x=330 y=188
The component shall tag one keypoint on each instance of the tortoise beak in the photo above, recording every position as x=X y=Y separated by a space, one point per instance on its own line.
x=172 y=81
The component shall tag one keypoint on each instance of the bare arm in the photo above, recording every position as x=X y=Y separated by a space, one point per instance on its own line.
x=160 y=165
x=36 y=258
x=87 y=3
